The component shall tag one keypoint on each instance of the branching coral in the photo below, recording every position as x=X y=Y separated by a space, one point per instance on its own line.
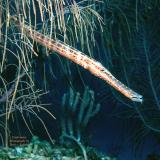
x=63 y=19
x=76 y=113
x=132 y=47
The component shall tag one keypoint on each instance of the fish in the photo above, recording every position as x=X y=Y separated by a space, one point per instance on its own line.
x=78 y=57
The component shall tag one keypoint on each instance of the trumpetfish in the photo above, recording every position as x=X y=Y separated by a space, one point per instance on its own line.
x=76 y=56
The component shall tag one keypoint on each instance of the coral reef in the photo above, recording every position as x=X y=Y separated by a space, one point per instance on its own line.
x=42 y=150
x=121 y=34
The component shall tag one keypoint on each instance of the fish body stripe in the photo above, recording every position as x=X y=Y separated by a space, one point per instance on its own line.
x=96 y=68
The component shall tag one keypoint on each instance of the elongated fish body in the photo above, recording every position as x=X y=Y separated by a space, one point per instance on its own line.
x=96 y=68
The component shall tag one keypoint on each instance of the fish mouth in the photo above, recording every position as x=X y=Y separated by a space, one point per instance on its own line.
x=137 y=98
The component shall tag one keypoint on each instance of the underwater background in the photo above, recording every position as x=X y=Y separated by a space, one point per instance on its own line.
x=46 y=95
